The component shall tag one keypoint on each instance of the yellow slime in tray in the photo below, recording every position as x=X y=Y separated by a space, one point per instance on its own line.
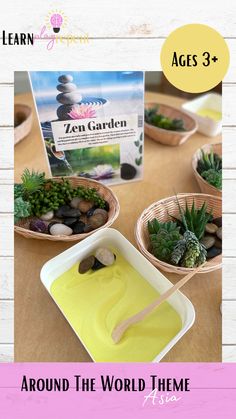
x=210 y=113
x=95 y=302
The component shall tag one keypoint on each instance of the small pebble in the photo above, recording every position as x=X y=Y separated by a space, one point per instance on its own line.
x=51 y=224
x=97 y=221
x=88 y=228
x=71 y=213
x=75 y=202
x=85 y=206
x=104 y=256
x=70 y=221
x=38 y=226
x=97 y=265
x=218 y=243
x=78 y=228
x=86 y=264
x=59 y=213
x=211 y=228
x=60 y=230
x=48 y=216
x=208 y=241
x=103 y=212
x=219 y=233
x=217 y=221
x=213 y=252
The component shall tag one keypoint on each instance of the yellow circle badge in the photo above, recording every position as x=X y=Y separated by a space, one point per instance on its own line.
x=195 y=58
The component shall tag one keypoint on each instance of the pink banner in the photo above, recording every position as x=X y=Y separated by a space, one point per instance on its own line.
x=73 y=390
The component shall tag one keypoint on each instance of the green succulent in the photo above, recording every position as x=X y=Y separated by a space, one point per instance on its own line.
x=154 y=226
x=32 y=182
x=210 y=168
x=195 y=219
x=189 y=252
x=163 y=237
x=178 y=252
x=192 y=250
x=158 y=120
x=202 y=257
x=209 y=161
x=18 y=190
x=195 y=253
x=22 y=209
x=213 y=177
x=55 y=194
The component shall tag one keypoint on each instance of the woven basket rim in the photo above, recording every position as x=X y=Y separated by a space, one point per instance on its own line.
x=73 y=237
x=195 y=159
x=168 y=267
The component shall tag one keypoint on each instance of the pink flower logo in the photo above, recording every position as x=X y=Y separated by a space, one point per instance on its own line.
x=82 y=111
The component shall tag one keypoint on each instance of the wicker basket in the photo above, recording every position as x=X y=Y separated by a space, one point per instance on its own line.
x=167 y=137
x=202 y=183
x=22 y=226
x=161 y=210
x=23 y=121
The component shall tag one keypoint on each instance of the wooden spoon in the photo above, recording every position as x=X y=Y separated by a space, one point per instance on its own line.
x=120 y=329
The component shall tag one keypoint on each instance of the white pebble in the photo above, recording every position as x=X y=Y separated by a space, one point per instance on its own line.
x=105 y=256
x=48 y=216
x=60 y=230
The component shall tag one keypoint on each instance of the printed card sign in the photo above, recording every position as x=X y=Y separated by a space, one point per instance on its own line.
x=69 y=135
x=92 y=123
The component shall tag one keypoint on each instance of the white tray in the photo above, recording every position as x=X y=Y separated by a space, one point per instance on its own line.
x=206 y=126
x=109 y=237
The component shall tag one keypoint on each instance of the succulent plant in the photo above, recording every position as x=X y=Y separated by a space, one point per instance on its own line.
x=188 y=252
x=154 y=226
x=178 y=252
x=158 y=120
x=22 y=209
x=210 y=168
x=32 y=182
x=18 y=190
x=213 y=177
x=209 y=161
x=194 y=219
x=192 y=250
x=202 y=257
x=163 y=237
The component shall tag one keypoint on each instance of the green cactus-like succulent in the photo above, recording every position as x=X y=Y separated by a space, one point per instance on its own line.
x=178 y=252
x=195 y=252
x=188 y=252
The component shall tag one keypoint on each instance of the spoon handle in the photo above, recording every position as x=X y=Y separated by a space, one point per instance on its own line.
x=120 y=329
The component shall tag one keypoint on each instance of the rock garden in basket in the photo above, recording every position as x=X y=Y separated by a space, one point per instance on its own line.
x=187 y=241
x=58 y=208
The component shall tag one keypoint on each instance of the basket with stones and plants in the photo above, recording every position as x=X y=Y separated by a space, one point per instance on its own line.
x=179 y=233
x=168 y=125
x=207 y=168
x=66 y=209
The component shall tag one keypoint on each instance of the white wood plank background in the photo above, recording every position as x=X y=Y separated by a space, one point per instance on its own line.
x=122 y=35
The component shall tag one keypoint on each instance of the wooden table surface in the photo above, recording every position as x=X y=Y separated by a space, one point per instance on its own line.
x=41 y=332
